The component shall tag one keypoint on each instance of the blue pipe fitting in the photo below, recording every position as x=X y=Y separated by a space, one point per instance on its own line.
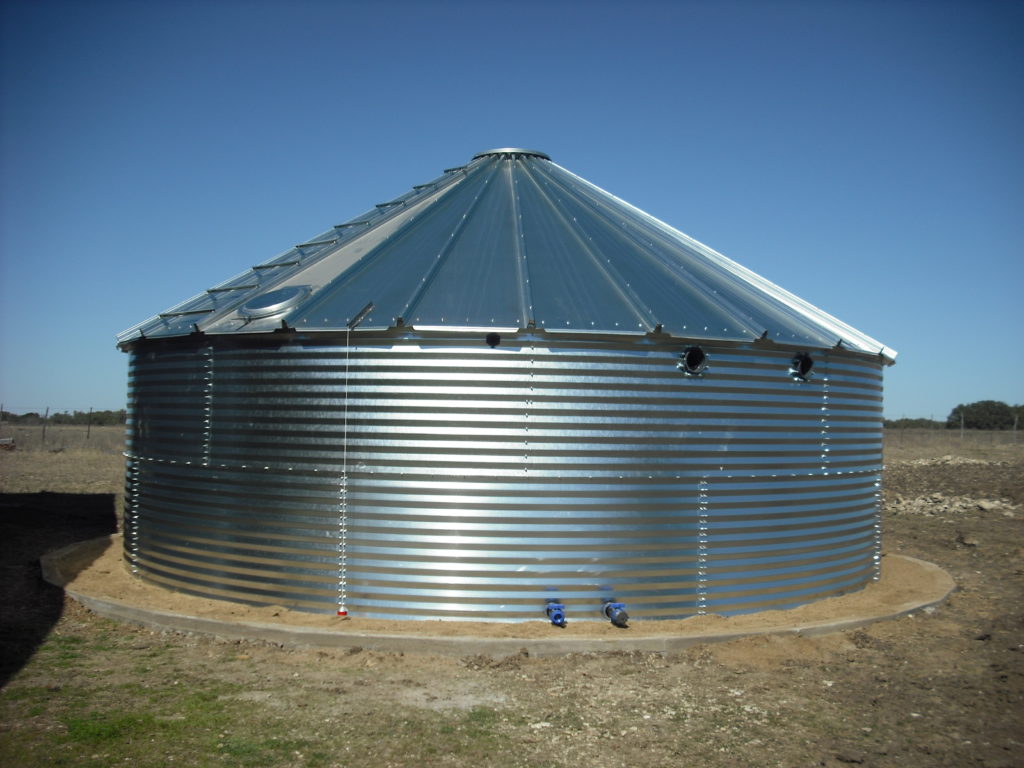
x=616 y=614
x=556 y=612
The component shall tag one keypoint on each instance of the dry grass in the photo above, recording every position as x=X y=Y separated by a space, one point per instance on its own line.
x=68 y=461
x=910 y=444
x=56 y=439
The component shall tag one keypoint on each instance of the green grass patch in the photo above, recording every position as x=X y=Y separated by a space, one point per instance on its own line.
x=482 y=717
x=264 y=751
x=98 y=728
x=25 y=693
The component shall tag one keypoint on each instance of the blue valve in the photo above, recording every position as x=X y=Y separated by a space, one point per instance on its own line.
x=556 y=612
x=616 y=613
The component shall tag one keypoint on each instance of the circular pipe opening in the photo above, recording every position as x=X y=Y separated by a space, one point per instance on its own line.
x=693 y=361
x=493 y=339
x=801 y=365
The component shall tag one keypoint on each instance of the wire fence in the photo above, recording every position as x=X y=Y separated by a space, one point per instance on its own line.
x=54 y=429
x=64 y=437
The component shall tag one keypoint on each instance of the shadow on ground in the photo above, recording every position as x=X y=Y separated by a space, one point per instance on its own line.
x=32 y=524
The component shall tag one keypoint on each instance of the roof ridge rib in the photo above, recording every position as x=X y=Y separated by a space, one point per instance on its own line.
x=797 y=307
x=369 y=259
x=446 y=249
x=639 y=309
x=675 y=270
x=525 y=292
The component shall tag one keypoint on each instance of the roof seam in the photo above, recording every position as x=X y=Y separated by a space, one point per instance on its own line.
x=365 y=261
x=639 y=310
x=799 y=307
x=682 y=275
x=446 y=250
x=525 y=292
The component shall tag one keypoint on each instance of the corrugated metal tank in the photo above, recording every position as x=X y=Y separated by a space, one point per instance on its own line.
x=478 y=473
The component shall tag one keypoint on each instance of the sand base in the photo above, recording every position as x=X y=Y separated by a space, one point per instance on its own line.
x=94 y=573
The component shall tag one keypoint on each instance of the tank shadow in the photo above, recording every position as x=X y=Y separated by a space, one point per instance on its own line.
x=32 y=524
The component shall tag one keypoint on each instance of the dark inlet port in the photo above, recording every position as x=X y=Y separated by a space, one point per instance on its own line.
x=801 y=365
x=693 y=361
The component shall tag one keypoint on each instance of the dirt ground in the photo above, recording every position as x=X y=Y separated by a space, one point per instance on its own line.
x=943 y=687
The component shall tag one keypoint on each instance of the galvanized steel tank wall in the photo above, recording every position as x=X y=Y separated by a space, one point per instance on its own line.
x=431 y=476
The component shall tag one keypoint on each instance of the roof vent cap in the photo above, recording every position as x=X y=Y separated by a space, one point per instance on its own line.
x=274 y=302
x=514 y=151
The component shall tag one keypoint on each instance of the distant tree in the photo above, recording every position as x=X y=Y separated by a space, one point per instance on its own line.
x=108 y=418
x=984 y=414
x=78 y=418
x=63 y=417
x=23 y=418
x=912 y=424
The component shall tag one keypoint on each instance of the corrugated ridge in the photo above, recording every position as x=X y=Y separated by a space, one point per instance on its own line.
x=493 y=477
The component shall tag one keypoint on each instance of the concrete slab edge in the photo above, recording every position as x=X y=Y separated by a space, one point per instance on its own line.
x=55 y=566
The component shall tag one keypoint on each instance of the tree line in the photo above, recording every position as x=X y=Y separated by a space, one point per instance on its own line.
x=983 y=414
x=74 y=418
x=986 y=414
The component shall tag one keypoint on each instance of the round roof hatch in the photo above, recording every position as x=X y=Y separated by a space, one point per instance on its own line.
x=274 y=302
x=512 y=151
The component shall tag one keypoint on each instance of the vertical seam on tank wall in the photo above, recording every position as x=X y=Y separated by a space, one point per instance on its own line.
x=877 y=554
x=207 y=402
x=526 y=411
x=825 y=423
x=876 y=573
x=343 y=488
x=703 y=503
x=342 y=544
x=131 y=527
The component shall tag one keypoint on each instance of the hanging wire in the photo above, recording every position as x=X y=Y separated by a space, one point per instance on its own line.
x=343 y=491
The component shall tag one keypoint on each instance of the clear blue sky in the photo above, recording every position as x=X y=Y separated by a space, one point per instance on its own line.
x=867 y=156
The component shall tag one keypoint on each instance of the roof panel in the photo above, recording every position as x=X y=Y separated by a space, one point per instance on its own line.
x=571 y=286
x=476 y=279
x=509 y=240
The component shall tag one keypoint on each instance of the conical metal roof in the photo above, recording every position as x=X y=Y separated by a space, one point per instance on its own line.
x=509 y=241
